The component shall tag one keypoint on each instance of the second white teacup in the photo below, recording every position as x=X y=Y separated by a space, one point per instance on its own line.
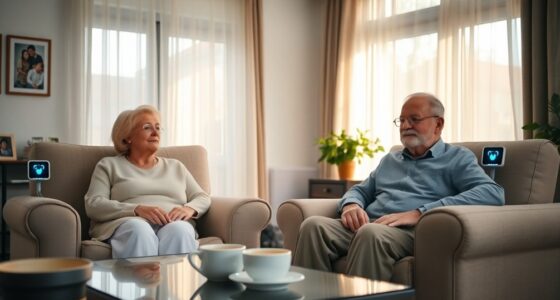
x=267 y=264
x=218 y=260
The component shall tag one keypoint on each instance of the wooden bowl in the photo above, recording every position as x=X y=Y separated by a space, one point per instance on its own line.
x=45 y=278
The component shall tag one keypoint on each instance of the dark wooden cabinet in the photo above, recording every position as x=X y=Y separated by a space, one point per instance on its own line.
x=13 y=182
x=329 y=188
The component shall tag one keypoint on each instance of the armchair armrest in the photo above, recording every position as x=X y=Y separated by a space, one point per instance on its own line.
x=42 y=227
x=236 y=220
x=293 y=212
x=488 y=252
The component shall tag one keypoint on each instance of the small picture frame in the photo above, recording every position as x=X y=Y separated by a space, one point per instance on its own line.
x=36 y=139
x=7 y=147
x=53 y=139
x=28 y=66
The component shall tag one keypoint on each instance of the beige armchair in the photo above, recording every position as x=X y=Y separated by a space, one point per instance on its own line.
x=477 y=252
x=56 y=224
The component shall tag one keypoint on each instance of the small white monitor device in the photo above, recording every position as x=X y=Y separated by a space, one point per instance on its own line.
x=38 y=170
x=493 y=156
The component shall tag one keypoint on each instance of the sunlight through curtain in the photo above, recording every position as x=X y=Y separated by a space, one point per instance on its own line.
x=204 y=97
x=112 y=47
x=465 y=52
x=186 y=57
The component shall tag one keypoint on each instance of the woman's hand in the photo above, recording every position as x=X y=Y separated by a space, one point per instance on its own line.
x=182 y=213
x=153 y=214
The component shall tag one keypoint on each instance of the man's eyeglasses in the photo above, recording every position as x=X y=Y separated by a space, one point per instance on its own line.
x=149 y=127
x=411 y=120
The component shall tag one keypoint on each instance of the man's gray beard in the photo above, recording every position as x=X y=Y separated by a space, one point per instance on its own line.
x=411 y=141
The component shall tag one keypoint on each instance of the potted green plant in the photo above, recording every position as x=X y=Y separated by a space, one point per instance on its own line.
x=547 y=131
x=343 y=149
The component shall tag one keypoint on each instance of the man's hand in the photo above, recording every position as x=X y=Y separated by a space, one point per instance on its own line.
x=407 y=218
x=353 y=217
x=153 y=214
x=182 y=213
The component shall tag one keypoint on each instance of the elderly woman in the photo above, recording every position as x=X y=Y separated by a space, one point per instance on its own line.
x=140 y=203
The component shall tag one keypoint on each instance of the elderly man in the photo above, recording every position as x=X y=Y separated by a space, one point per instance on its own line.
x=378 y=216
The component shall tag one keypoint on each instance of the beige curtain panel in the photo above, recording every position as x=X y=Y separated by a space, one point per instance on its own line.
x=540 y=28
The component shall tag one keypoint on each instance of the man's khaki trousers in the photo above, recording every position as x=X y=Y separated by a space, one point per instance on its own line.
x=371 y=251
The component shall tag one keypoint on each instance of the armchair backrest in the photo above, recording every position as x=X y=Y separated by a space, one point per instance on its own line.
x=73 y=165
x=530 y=173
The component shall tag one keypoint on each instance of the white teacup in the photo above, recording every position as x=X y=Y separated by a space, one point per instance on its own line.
x=218 y=260
x=267 y=264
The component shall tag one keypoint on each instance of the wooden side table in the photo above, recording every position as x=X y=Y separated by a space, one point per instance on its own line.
x=329 y=188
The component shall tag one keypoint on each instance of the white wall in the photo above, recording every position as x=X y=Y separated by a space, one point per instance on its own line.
x=27 y=116
x=293 y=34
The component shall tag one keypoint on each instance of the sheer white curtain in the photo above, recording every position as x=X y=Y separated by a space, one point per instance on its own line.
x=186 y=57
x=465 y=52
x=204 y=90
x=113 y=45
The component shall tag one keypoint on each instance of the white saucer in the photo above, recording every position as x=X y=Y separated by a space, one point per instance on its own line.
x=280 y=284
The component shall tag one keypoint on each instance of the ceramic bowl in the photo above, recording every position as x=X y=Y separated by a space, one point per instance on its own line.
x=45 y=278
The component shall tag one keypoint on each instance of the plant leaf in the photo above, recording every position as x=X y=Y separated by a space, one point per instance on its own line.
x=337 y=148
x=531 y=126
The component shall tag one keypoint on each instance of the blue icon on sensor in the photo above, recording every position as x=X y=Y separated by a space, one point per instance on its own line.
x=38 y=169
x=492 y=155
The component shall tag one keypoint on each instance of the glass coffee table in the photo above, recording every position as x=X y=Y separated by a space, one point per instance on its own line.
x=172 y=277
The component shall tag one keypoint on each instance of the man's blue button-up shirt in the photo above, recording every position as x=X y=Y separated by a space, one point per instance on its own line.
x=445 y=175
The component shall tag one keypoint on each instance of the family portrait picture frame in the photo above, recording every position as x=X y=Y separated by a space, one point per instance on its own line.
x=28 y=66
x=7 y=147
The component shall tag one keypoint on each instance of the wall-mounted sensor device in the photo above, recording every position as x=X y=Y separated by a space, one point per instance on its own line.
x=493 y=157
x=38 y=170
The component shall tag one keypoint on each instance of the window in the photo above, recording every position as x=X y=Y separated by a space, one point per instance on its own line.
x=118 y=68
x=465 y=52
x=188 y=59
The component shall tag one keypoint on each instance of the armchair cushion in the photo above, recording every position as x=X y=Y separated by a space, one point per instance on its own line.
x=95 y=250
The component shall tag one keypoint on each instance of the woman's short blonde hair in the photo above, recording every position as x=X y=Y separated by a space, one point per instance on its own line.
x=124 y=125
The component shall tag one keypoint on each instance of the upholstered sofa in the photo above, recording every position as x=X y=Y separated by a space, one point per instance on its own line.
x=477 y=252
x=56 y=223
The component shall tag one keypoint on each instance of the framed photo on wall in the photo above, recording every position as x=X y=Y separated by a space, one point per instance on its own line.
x=7 y=147
x=28 y=66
